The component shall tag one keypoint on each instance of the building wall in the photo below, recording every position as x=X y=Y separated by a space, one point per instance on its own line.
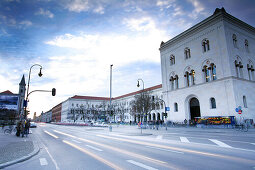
x=227 y=90
x=56 y=113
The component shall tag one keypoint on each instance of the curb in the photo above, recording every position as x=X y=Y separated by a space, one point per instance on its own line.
x=24 y=158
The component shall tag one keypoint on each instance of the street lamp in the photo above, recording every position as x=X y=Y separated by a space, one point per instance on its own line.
x=40 y=75
x=110 y=127
x=138 y=85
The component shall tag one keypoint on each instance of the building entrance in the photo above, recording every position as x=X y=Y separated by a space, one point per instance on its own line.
x=194 y=108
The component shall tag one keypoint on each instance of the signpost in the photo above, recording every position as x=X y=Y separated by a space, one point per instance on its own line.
x=239 y=111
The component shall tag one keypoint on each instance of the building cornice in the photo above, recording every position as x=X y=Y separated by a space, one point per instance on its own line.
x=219 y=15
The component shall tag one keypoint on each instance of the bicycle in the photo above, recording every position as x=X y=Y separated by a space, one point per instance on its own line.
x=243 y=127
x=10 y=130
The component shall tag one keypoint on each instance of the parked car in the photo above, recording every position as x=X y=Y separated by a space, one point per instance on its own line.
x=33 y=125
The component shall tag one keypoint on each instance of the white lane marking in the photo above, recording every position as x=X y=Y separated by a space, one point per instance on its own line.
x=92 y=147
x=221 y=144
x=50 y=134
x=159 y=137
x=253 y=143
x=76 y=141
x=184 y=139
x=168 y=150
x=53 y=160
x=141 y=165
x=43 y=161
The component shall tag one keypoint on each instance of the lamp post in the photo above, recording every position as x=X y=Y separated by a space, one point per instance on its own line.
x=40 y=75
x=138 y=85
x=110 y=127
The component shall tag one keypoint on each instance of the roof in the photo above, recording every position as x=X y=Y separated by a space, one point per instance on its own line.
x=218 y=13
x=6 y=92
x=119 y=97
x=22 y=82
x=145 y=90
x=90 y=97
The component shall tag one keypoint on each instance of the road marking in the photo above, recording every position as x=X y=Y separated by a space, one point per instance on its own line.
x=50 y=134
x=184 y=139
x=164 y=149
x=159 y=137
x=92 y=147
x=253 y=143
x=113 y=148
x=141 y=165
x=53 y=160
x=43 y=161
x=93 y=155
x=221 y=144
x=76 y=141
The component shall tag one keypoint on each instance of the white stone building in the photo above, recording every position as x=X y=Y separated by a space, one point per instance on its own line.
x=91 y=108
x=208 y=70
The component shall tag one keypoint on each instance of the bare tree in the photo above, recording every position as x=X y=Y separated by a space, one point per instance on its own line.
x=142 y=105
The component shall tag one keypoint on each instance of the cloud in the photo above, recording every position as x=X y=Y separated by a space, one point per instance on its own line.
x=141 y=24
x=45 y=13
x=85 y=5
x=198 y=9
x=26 y=23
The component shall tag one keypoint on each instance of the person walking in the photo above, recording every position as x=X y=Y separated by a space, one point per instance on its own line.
x=23 y=127
x=27 y=125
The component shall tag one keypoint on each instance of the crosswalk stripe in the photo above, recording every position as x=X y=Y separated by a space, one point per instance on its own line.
x=184 y=139
x=141 y=165
x=159 y=137
x=221 y=144
x=43 y=161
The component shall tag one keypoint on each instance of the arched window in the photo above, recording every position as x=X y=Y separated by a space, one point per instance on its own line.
x=246 y=44
x=244 y=102
x=192 y=74
x=213 y=103
x=213 y=67
x=175 y=107
x=234 y=40
x=172 y=60
x=176 y=79
x=187 y=53
x=206 y=74
x=241 y=69
x=171 y=83
x=187 y=81
x=252 y=73
x=237 y=68
x=249 y=72
x=205 y=45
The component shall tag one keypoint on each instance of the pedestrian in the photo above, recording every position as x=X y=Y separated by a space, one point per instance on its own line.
x=27 y=125
x=23 y=127
x=157 y=124
x=18 y=127
x=185 y=122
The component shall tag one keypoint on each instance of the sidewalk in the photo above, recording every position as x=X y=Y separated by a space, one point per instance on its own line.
x=134 y=130
x=15 y=149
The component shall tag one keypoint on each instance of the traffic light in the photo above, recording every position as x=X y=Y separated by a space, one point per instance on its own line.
x=53 y=92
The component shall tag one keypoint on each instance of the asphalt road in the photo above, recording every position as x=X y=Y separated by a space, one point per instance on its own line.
x=78 y=148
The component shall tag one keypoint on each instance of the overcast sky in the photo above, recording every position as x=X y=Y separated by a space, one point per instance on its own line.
x=76 y=41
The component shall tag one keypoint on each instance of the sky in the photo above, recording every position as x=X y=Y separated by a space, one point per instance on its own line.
x=76 y=41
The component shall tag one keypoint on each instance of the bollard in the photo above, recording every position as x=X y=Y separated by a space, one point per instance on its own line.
x=110 y=128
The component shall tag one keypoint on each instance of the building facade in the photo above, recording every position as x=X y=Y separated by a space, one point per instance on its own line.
x=11 y=105
x=90 y=108
x=208 y=70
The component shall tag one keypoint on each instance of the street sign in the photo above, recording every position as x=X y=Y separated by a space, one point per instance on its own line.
x=237 y=109
x=167 y=108
x=240 y=112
